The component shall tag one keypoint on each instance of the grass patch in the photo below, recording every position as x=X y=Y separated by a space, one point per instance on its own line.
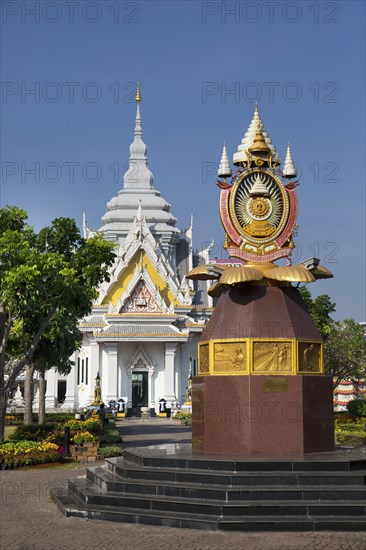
x=69 y=464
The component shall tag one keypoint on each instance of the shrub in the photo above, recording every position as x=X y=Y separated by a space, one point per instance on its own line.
x=186 y=418
x=110 y=451
x=357 y=408
x=110 y=434
x=32 y=432
x=355 y=438
x=345 y=418
x=183 y=416
x=26 y=453
x=59 y=417
x=351 y=427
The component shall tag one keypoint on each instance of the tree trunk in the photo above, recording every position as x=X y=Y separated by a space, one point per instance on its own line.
x=42 y=398
x=28 y=394
x=3 y=397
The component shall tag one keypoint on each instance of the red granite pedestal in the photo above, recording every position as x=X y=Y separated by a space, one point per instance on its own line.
x=262 y=415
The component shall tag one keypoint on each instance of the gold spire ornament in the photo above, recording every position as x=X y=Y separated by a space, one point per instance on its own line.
x=138 y=94
x=259 y=143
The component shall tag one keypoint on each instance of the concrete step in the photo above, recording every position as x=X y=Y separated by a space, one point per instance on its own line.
x=187 y=520
x=92 y=495
x=171 y=485
x=182 y=456
x=127 y=470
x=108 y=481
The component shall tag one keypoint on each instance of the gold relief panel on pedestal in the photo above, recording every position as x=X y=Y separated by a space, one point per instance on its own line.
x=230 y=358
x=309 y=357
x=272 y=357
x=204 y=359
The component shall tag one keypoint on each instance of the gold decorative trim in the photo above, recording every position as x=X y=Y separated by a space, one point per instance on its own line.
x=92 y=325
x=140 y=334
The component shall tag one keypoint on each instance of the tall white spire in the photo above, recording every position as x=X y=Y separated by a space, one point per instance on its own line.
x=289 y=170
x=138 y=200
x=138 y=175
x=224 y=170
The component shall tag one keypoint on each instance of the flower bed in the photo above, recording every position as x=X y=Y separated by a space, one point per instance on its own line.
x=26 y=453
x=83 y=437
x=92 y=424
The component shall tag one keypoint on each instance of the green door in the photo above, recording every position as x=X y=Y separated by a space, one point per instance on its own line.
x=139 y=389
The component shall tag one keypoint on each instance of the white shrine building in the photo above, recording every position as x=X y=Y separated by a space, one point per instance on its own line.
x=141 y=336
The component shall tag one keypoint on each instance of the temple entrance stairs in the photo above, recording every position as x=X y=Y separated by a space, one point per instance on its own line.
x=179 y=490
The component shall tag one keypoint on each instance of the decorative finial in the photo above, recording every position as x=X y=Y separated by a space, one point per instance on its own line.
x=241 y=158
x=138 y=94
x=224 y=170
x=289 y=170
x=259 y=143
x=139 y=216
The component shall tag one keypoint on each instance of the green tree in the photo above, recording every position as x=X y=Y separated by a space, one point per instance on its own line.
x=344 y=342
x=345 y=352
x=320 y=308
x=44 y=277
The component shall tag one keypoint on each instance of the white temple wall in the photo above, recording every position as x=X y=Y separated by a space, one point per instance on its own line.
x=188 y=352
x=178 y=372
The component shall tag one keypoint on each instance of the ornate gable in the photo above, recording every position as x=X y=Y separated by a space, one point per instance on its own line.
x=141 y=301
x=141 y=255
x=140 y=359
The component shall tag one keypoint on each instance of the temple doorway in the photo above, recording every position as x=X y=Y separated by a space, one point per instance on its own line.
x=139 y=389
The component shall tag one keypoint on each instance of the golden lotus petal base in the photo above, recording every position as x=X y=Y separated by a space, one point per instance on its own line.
x=206 y=272
x=321 y=272
x=290 y=273
x=265 y=273
x=242 y=274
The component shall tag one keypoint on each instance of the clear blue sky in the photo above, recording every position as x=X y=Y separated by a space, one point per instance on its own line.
x=303 y=61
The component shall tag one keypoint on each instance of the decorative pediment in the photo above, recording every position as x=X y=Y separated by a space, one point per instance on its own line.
x=140 y=360
x=140 y=249
x=141 y=301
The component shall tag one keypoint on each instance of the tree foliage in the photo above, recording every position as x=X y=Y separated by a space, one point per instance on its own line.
x=48 y=281
x=344 y=342
x=320 y=308
x=345 y=352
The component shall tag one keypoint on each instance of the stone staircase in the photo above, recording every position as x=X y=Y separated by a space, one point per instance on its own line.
x=171 y=486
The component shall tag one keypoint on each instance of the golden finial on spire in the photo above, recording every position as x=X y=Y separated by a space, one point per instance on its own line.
x=138 y=94
x=259 y=143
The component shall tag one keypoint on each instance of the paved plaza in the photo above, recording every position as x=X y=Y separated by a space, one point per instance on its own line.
x=29 y=520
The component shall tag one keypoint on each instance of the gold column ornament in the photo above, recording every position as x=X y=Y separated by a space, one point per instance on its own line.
x=97 y=392
x=138 y=94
